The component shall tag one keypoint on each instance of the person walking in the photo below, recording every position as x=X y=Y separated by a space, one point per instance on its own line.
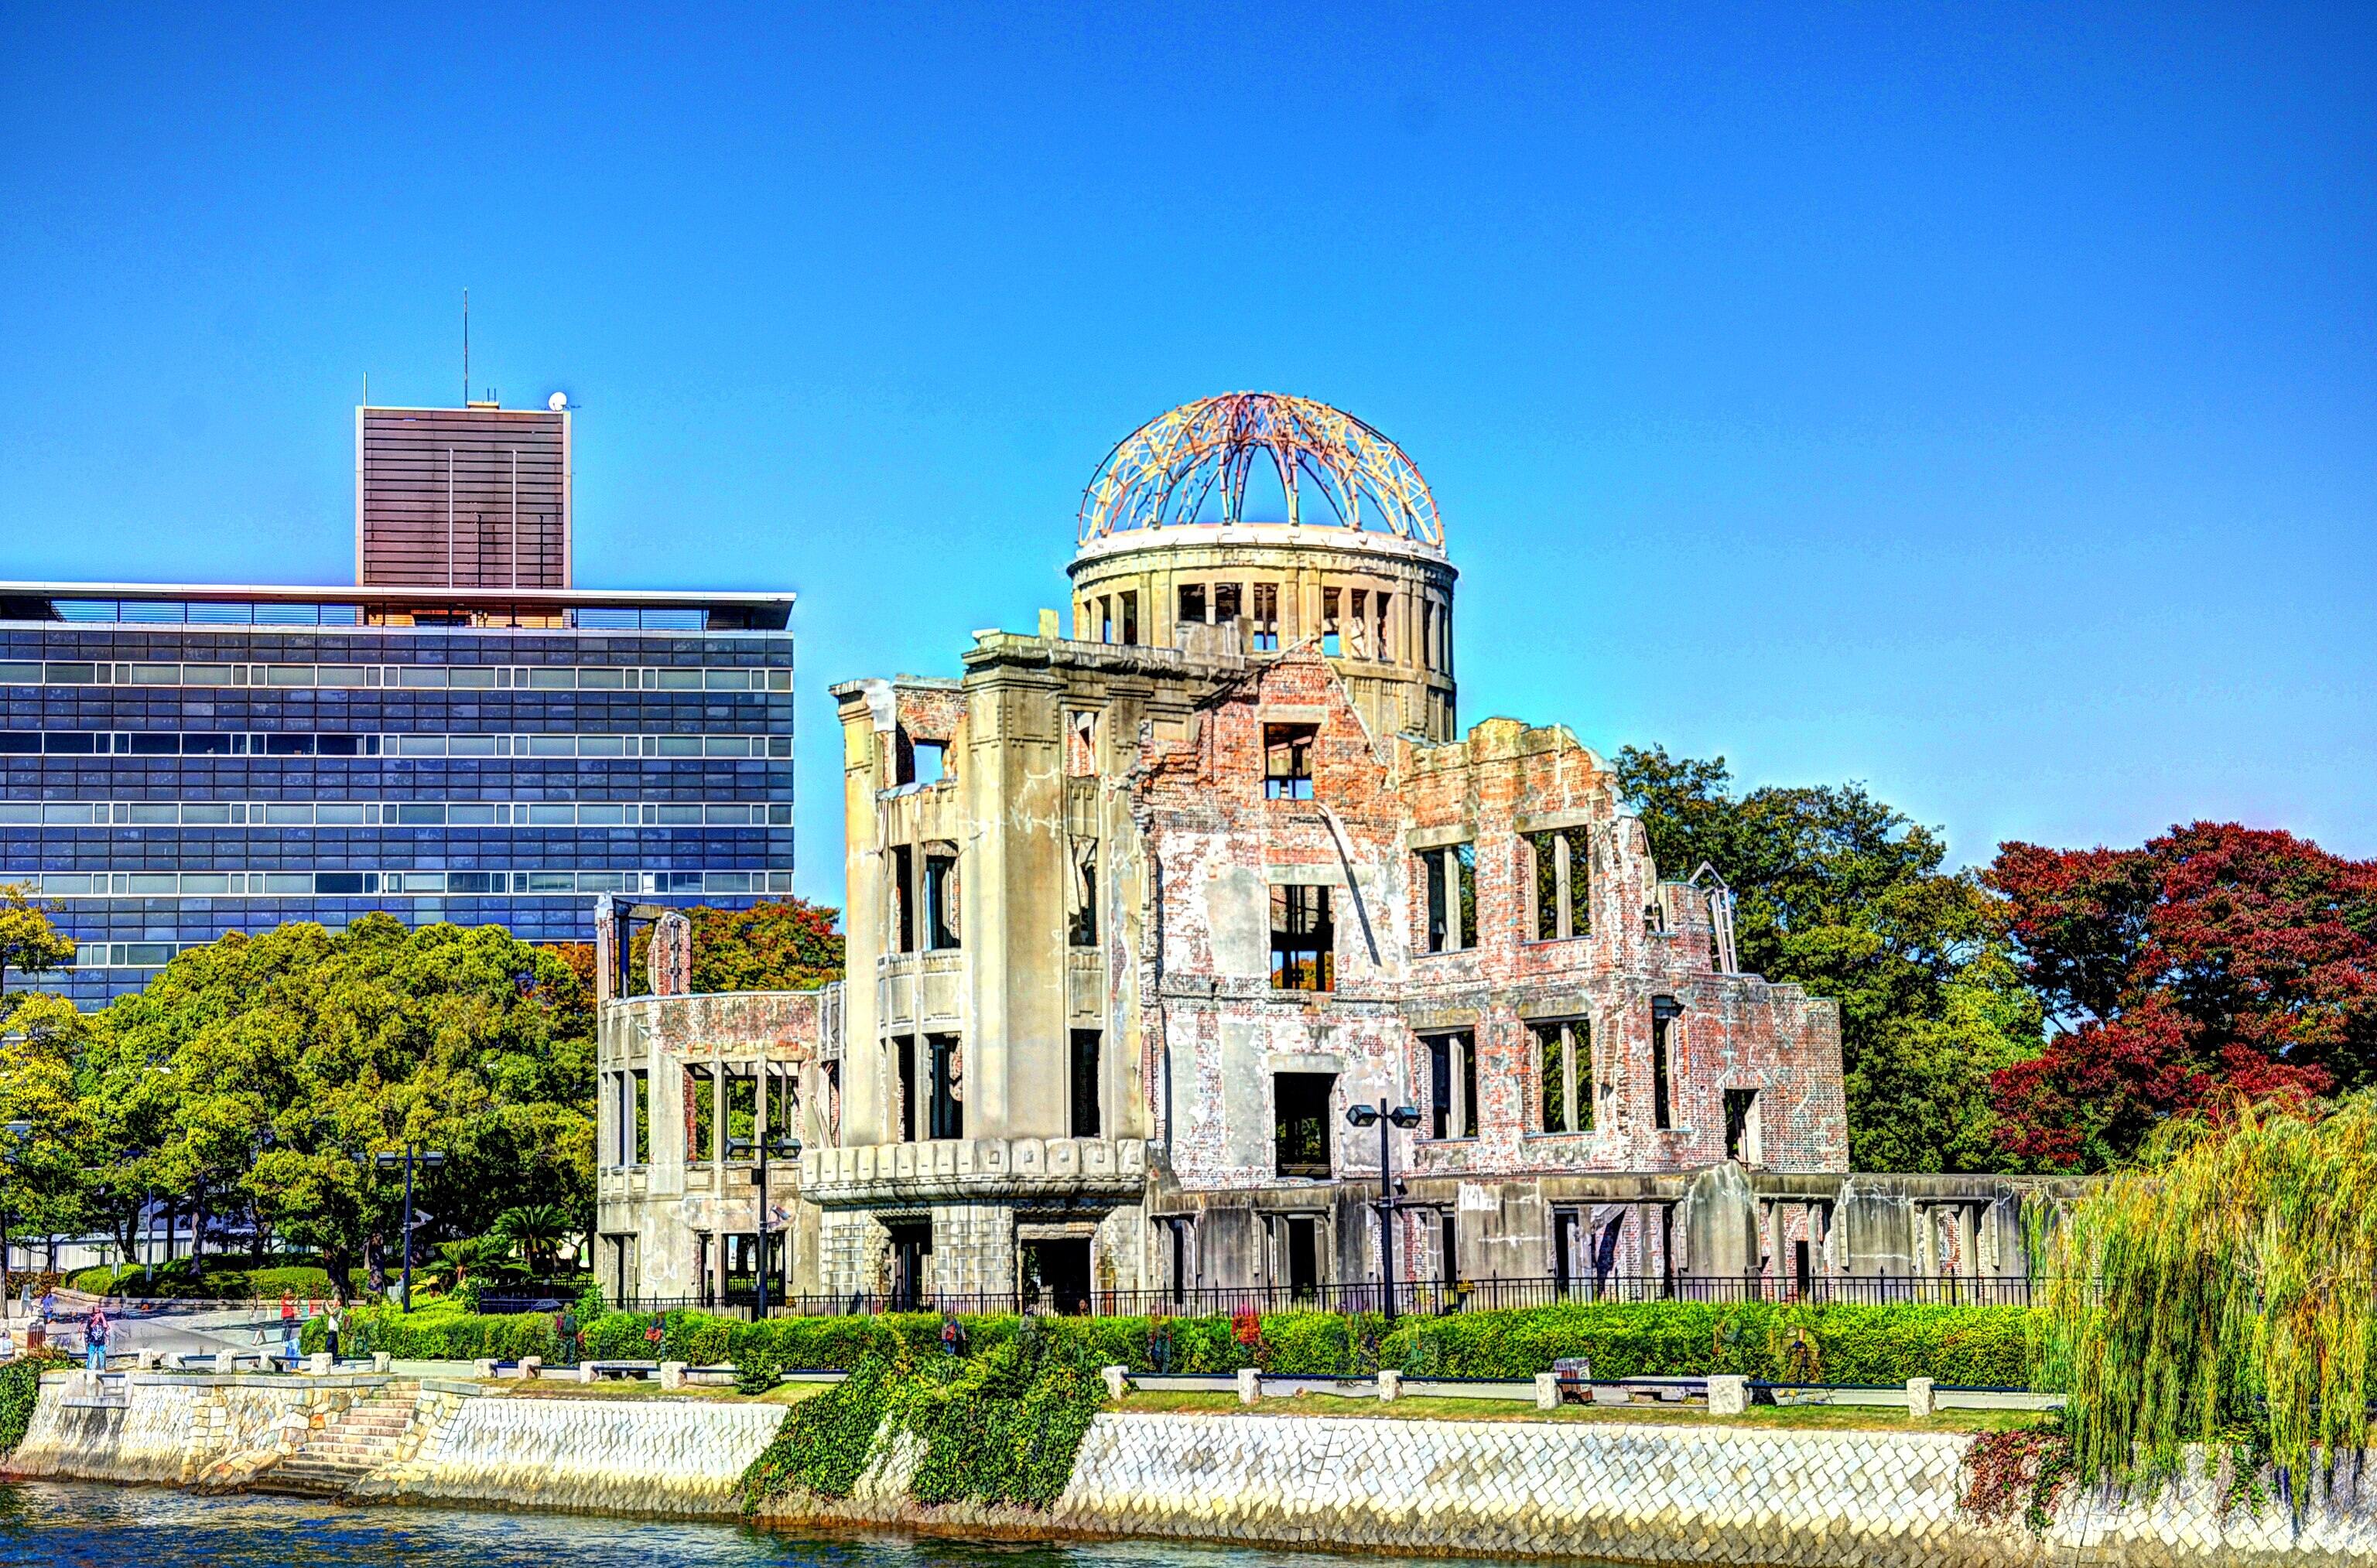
x=334 y=1323
x=94 y=1340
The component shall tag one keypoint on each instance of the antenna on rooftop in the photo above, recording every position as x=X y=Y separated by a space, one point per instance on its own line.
x=466 y=348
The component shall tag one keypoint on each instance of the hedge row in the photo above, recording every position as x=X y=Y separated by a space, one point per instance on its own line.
x=174 y=1281
x=1882 y=1345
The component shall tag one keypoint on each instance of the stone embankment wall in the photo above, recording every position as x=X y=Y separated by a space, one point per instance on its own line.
x=173 y=1429
x=1644 y=1494
x=594 y=1455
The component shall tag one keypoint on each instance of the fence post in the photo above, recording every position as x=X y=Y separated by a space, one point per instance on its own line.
x=1249 y=1385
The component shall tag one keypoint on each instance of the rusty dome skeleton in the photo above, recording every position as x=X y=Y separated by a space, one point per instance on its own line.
x=1163 y=474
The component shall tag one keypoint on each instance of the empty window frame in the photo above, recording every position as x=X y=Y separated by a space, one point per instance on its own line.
x=1128 y=603
x=1564 y=883
x=1265 y=629
x=1427 y=634
x=1083 y=1082
x=1564 y=1070
x=1452 y=1086
x=1384 y=649
x=1228 y=600
x=1082 y=924
x=700 y=1118
x=1287 y=761
x=1448 y=1247
x=940 y=899
x=1302 y=940
x=1741 y=1126
x=947 y=1113
x=902 y=889
x=1192 y=602
x=1664 y=1010
x=636 y=1120
x=915 y=760
x=904 y=1106
x=1332 y=642
x=1081 y=743
x=1449 y=876
x=1300 y=1134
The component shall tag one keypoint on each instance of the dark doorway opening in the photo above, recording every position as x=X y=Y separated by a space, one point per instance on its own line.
x=1057 y=1274
x=912 y=1252
x=1803 y=1270
x=1303 y=1257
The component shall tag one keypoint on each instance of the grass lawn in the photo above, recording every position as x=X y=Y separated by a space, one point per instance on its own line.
x=1431 y=1408
x=650 y=1389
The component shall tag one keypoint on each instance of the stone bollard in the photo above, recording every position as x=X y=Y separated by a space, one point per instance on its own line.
x=1249 y=1385
x=585 y=1372
x=1729 y=1395
x=483 y=1369
x=1547 y=1391
x=225 y=1363
x=320 y=1364
x=1920 y=1400
x=1114 y=1376
x=1390 y=1385
x=151 y=1360
x=672 y=1374
x=383 y=1363
x=532 y=1367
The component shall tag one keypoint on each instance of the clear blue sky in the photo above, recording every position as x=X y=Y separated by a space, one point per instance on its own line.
x=1976 y=402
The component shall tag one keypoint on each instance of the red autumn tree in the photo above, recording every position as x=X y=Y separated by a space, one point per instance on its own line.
x=2216 y=961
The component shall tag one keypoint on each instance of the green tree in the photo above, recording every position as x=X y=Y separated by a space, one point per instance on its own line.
x=776 y=944
x=1842 y=894
x=47 y=1130
x=28 y=943
x=298 y=1055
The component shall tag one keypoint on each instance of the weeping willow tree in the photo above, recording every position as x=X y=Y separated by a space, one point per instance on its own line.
x=2219 y=1293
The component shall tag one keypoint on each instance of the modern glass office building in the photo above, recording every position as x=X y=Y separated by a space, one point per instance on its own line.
x=178 y=762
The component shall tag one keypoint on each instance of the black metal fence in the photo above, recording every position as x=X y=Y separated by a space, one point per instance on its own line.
x=1417 y=1297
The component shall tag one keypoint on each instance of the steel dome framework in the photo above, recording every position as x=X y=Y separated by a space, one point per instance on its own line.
x=1164 y=473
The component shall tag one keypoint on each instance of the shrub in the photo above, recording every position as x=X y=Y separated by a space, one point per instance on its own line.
x=20 y=1389
x=1002 y=1428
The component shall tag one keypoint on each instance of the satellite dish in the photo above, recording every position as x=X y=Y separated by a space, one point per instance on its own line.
x=557 y=402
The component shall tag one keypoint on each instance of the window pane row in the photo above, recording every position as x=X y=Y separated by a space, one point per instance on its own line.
x=390 y=813
x=412 y=677
x=217 y=743
x=266 y=883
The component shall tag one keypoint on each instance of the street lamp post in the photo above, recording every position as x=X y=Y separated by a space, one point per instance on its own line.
x=787 y=1147
x=429 y=1159
x=1406 y=1117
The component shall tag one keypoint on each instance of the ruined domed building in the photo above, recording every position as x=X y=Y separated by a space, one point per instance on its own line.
x=1142 y=906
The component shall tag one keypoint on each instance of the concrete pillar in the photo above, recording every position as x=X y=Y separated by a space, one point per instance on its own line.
x=1249 y=1385
x=225 y=1363
x=483 y=1369
x=383 y=1363
x=319 y=1363
x=1547 y=1391
x=672 y=1374
x=150 y=1361
x=1114 y=1376
x=1728 y=1395
x=1920 y=1400
x=1391 y=1384
x=532 y=1367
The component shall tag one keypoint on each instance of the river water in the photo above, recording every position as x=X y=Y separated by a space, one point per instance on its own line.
x=76 y=1525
